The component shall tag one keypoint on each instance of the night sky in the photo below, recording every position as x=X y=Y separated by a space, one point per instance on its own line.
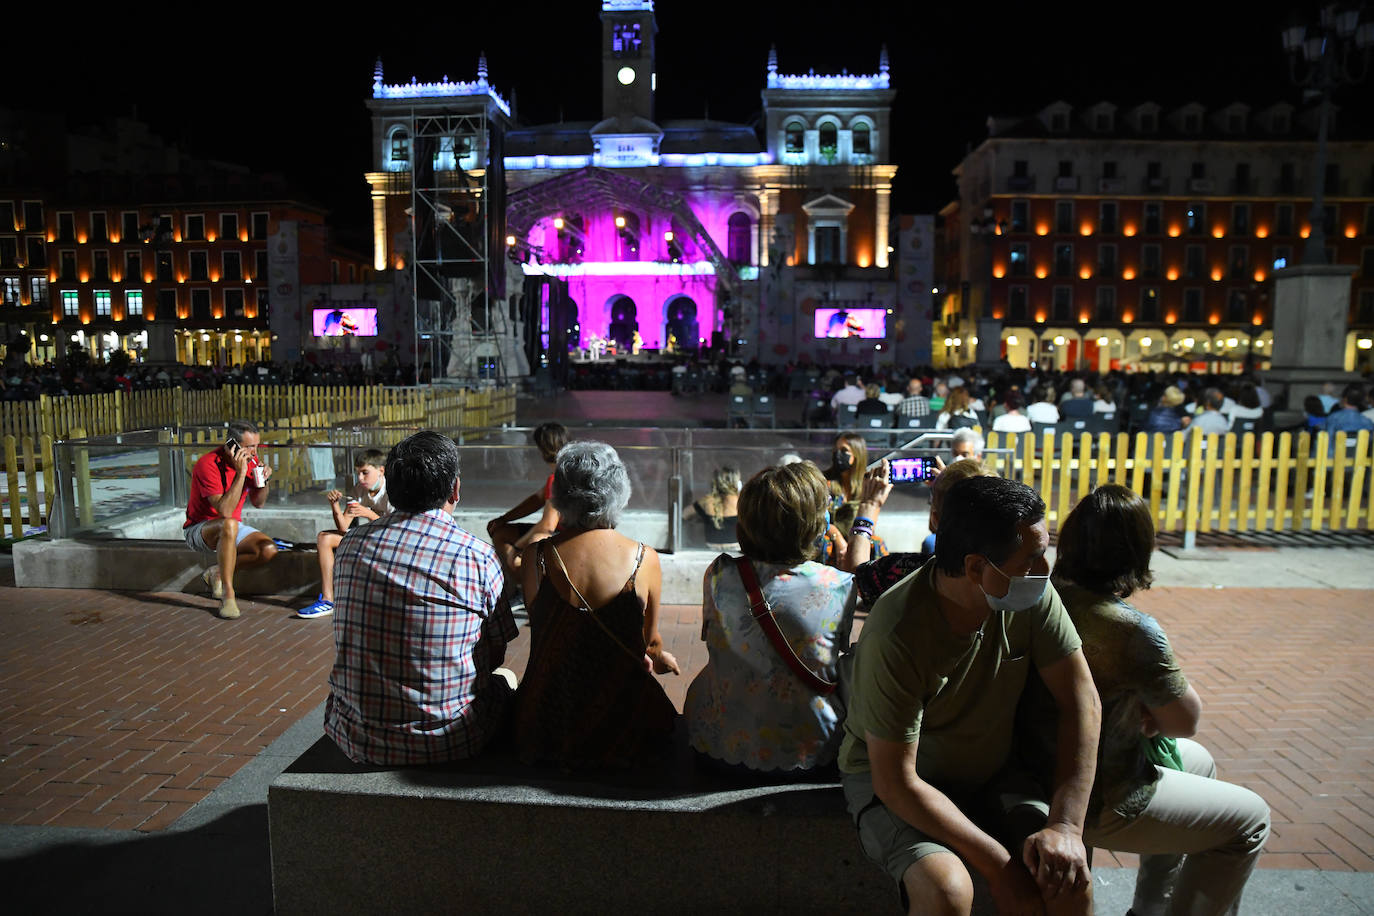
x=288 y=96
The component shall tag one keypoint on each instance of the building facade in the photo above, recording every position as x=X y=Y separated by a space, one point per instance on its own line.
x=1106 y=237
x=676 y=234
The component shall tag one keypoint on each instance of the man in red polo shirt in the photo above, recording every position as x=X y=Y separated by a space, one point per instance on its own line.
x=221 y=482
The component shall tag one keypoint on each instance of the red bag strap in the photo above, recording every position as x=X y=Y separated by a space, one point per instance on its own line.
x=763 y=613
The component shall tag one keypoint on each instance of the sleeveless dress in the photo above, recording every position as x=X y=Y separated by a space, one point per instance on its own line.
x=586 y=699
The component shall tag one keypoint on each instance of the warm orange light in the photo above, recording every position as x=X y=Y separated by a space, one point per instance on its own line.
x=997 y=228
x=1040 y=316
x=1216 y=274
x=1085 y=273
x=1350 y=232
x=1085 y=229
x=176 y=235
x=1261 y=232
x=52 y=276
x=1174 y=231
x=114 y=238
x=85 y=277
x=52 y=237
x=1306 y=231
x=1128 y=317
x=85 y=319
x=1128 y=273
x=1041 y=272
x=115 y=276
x=181 y=278
x=81 y=238
x=1259 y=276
x=1218 y=232
x=1172 y=273
x=214 y=276
x=1170 y=318
x=1083 y=318
x=1040 y=229
x=999 y=271
x=148 y=278
x=863 y=259
x=217 y=313
x=210 y=236
x=1128 y=230
x=998 y=313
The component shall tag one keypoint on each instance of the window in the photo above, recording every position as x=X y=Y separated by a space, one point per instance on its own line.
x=1020 y=215
x=1288 y=180
x=1154 y=171
x=264 y=303
x=1329 y=224
x=334 y=270
x=1333 y=178
x=228 y=227
x=1106 y=261
x=67 y=271
x=33 y=215
x=1283 y=219
x=133 y=267
x=9 y=252
x=1198 y=171
x=259 y=227
x=200 y=304
x=1197 y=218
x=738 y=240
x=128 y=227
x=200 y=265
x=260 y=266
x=1149 y=304
x=1148 y=122
x=11 y=288
x=233 y=265
x=1367 y=262
x=167 y=304
x=1106 y=303
x=1192 y=304
x=1192 y=123
x=352 y=273
x=400 y=147
x=100 y=230
x=795 y=137
x=1059 y=122
x=1154 y=222
x=1235 y=307
x=862 y=140
x=66 y=227
x=1107 y=218
x=1192 y=262
x=1369 y=219
x=102 y=302
x=164 y=267
x=38 y=290
x=1063 y=260
x=828 y=245
x=233 y=303
x=1020 y=259
x=7 y=221
x=71 y=304
x=164 y=227
x=1235 y=122
x=1065 y=168
x=1150 y=262
x=133 y=303
x=1020 y=168
x=37 y=252
x=1240 y=219
x=1102 y=122
x=1109 y=169
x=1017 y=300
x=1364 y=315
x=1242 y=178
x=1062 y=307
x=100 y=265
x=1063 y=216
x=195 y=227
x=1240 y=262
x=829 y=140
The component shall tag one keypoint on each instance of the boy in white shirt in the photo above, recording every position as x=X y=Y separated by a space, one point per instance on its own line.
x=367 y=502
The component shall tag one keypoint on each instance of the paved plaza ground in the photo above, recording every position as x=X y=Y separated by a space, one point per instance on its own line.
x=138 y=732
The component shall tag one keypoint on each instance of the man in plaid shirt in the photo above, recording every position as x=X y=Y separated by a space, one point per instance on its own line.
x=420 y=623
x=914 y=404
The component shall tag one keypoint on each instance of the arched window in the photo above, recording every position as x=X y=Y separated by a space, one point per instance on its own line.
x=739 y=243
x=829 y=140
x=862 y=139
x=796 y=137
x=399 y=151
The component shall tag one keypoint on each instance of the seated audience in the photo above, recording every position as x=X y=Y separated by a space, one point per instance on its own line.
x=1044 y=409
x=1247 y=404
x=588 y=697
x=1211 y=420
x=851 y=394
x=1348 y=417
x=845 y=477
x=957 y=412
x=966 y=443
x=1103 y=402
x=1015 y=419
x=718 y=510
x=420 y=623
x=1164 y=417
x=1156 y=792
x=1314 y=414
x=509 y=536
x=872 y=404
x=749 y=707
x=1076 y=403
x=368 y=502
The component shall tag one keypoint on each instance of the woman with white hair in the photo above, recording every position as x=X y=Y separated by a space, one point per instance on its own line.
x=588 y=697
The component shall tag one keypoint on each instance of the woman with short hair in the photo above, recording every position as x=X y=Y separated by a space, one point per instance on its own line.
x=1156 y=792
x=588 y=697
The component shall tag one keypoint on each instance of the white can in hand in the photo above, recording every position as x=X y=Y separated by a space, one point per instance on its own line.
x=259 y=476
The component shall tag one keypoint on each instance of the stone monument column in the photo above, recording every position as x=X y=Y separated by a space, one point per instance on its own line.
x=1311 y=316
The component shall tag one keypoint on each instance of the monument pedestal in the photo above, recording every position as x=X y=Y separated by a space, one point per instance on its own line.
x=989 y=342
x=1311 y=319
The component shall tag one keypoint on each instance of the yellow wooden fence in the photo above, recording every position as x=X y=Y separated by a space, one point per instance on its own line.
x=1230 y=483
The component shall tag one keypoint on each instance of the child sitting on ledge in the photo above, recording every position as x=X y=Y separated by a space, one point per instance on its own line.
x=367 y=502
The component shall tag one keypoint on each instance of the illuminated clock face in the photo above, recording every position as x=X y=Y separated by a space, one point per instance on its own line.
x=626 y=75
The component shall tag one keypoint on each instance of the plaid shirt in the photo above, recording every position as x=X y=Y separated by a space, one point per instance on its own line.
x=914 y=406
x=420 y=621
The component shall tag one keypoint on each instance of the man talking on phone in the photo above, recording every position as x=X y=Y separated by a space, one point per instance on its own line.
x=221 y=482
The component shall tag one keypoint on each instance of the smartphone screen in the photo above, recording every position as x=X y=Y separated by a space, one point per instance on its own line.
x=913 y=470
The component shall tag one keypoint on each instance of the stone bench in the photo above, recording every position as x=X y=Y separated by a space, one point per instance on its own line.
x=494 y=836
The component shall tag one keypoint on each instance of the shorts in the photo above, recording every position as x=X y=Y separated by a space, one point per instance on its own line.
x=195 y=538
x=1009 y=808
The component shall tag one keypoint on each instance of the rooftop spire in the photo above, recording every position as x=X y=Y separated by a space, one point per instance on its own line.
x=482 y=68
x=377 y=73
x=773 y=59
x=882 y=59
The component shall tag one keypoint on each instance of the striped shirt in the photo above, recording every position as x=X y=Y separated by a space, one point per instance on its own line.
x=420 y=621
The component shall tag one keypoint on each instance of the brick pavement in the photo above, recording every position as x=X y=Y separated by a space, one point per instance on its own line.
x=123 y=710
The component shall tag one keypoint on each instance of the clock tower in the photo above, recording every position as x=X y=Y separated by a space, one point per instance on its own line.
x=627 y=59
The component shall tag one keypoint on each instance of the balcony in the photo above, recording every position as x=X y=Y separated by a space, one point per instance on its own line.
x=1155 y=185
x=1286 y=186
x=1021 y=183
x=1066 y=183
x=1244 y=186
x=1200 y=185
x=1111 y=185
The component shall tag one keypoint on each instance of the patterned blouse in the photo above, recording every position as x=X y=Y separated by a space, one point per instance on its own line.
x=746 y=706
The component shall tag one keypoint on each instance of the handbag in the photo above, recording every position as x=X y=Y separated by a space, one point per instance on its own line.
x=763 y=614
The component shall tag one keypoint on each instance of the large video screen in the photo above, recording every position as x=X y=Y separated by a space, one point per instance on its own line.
x=349 y=322
x=842 y=323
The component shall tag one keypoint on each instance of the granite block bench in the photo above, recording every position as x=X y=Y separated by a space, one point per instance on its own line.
x=494 y=836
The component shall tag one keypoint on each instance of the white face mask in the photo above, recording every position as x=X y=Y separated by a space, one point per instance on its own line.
x=1023 y=593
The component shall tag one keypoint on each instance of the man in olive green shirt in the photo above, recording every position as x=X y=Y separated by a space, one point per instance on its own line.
x=941 y=664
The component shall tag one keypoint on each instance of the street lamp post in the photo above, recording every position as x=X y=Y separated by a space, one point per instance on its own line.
x=1328 y=55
